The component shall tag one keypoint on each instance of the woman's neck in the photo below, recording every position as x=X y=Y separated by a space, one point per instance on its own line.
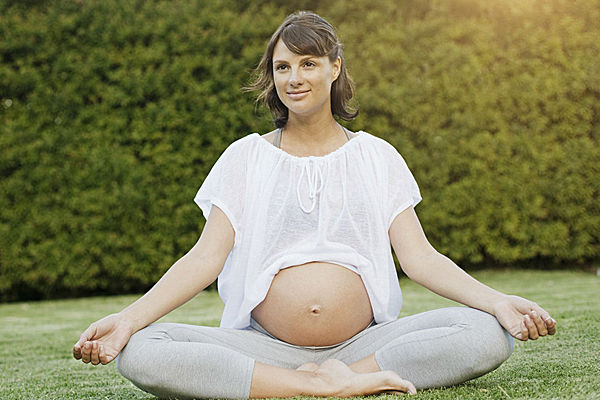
x=313 y=131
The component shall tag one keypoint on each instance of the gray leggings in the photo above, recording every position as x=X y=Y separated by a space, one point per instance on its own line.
x=437 y=348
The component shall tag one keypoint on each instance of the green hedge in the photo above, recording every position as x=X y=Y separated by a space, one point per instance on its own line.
x=496 y=106
x=112 y=112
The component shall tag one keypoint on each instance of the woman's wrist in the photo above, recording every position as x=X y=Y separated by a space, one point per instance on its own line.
x=499 y=303
x=128 y=321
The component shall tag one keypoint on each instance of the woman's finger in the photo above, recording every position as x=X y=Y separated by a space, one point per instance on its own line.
x=105 y=358
x=532 y=329
x=549 y=322
x=77 y=351
x=102 y=355
x=551 y=325
x=521 y=332
x=94 y=356
x=86 y=351
x=86 y=335
x=539 y=323
x=78 y=348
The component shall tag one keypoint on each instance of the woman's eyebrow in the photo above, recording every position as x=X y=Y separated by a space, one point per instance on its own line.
x=287 y=62
x=307 y=58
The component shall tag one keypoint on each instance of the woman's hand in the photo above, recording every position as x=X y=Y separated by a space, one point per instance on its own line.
x=103 y=340
x=524 y=319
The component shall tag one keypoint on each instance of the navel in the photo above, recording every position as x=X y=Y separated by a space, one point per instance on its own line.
x=315 y=310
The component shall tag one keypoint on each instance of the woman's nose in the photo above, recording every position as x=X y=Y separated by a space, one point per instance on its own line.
x=295 y=77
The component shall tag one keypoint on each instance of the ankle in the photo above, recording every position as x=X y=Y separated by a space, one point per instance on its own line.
x=315 y=384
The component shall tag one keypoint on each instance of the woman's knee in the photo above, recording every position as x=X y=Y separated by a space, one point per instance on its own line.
x=491 y=344
x=129 y=362
x=135 y=362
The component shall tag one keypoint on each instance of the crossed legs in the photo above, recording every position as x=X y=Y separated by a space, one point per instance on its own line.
x=437 y=348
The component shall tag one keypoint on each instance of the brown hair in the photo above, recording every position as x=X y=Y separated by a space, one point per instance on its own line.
x=304 y=33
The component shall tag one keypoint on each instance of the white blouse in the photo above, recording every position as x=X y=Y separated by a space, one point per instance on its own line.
x=288 y=210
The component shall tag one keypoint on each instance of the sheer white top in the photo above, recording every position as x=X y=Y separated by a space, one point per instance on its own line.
x=288 y=210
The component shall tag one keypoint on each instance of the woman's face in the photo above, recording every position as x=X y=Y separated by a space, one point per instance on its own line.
x=303 y=82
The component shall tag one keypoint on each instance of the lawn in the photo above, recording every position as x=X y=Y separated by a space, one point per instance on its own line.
x=36 y=340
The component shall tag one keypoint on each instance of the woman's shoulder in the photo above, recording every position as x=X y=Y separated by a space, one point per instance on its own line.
x=269 y=136
x=243 y=142
x=239 y=148
x=255 y=141
x=374 y=139
x=253 y=137
x=386 y=151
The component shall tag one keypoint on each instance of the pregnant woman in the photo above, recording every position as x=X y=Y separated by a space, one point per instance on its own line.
x=300 y=226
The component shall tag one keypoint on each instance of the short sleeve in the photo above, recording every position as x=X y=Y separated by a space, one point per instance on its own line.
x=224 y=185
x=402 y=189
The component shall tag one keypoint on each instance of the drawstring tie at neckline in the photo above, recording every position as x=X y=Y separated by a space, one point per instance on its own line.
x=314 y=177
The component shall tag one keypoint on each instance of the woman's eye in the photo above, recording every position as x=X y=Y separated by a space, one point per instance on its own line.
x=280 y=67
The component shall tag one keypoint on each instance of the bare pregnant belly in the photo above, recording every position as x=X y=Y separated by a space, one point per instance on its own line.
x=315 y=304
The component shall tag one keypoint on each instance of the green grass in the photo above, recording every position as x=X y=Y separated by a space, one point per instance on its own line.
x=36 y=340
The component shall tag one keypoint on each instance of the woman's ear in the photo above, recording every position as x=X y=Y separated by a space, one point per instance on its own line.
x=336 y=68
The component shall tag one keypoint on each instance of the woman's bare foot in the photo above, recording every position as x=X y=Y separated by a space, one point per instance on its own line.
x=310 y=367
x=339 y=380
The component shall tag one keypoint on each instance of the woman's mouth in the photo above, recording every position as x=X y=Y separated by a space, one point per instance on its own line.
x=298 y=94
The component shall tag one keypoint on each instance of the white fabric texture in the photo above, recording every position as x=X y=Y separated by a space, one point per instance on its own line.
x=288 y=210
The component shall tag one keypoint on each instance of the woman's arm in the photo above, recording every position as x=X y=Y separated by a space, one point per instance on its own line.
x=193 y=272
x=424 y=265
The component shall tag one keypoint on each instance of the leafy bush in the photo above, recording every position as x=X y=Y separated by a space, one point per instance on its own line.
x=112 y=112
x=496 y=107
